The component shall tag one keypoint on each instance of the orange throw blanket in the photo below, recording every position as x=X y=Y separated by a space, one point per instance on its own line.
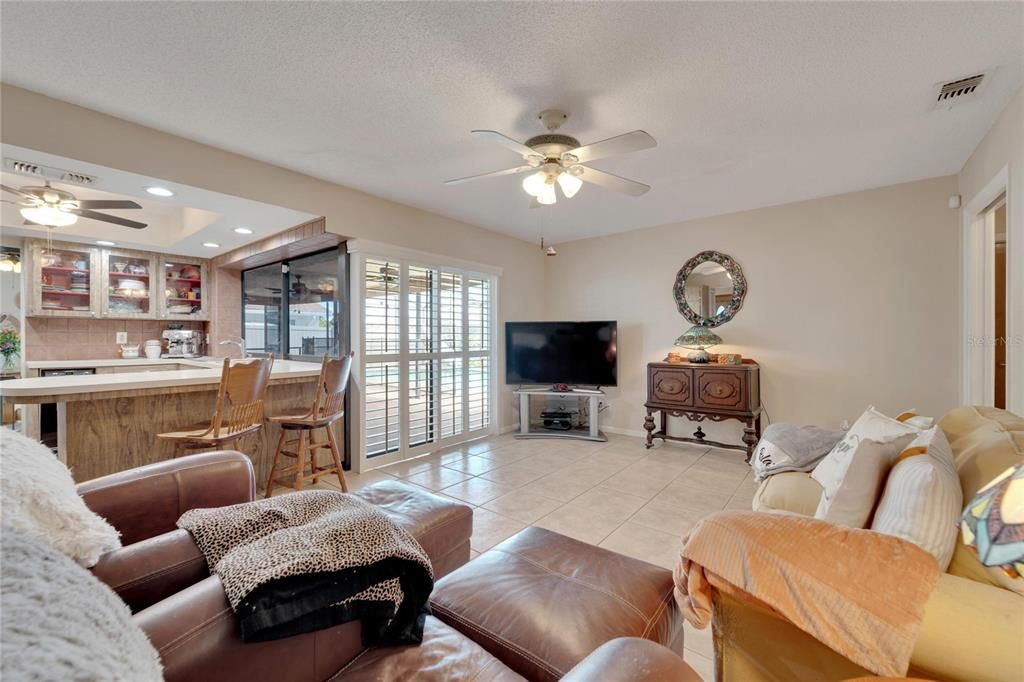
x=859 y=592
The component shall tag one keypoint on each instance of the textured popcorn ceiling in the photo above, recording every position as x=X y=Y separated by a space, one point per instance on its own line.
x=751 y=104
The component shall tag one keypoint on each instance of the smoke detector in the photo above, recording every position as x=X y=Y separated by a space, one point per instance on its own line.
x=953 y=93
x=49 y=173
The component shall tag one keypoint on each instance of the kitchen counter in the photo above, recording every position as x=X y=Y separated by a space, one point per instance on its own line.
x=205 y=361
x=200 y=373
x=109 y=422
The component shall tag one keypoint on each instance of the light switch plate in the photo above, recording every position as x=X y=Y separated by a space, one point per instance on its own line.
x=122 y=337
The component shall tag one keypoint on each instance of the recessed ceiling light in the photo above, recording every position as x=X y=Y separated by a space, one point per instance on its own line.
x=103 y=242
x=160 y=191
x=243 y=230
x=211 y=245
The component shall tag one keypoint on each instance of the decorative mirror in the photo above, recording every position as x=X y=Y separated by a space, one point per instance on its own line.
x=709 y=289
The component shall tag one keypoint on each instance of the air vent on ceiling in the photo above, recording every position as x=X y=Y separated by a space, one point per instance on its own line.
x=956 y=92
x=49 y=173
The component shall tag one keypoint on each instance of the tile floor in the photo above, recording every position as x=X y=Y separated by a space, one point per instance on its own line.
x=616 y=495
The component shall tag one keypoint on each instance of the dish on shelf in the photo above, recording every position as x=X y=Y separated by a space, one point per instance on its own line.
x=123 y=306
x=131 y=284
x=131 y=293
x=179 y=309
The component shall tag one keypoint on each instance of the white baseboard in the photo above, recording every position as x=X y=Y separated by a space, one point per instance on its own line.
x=638 y=433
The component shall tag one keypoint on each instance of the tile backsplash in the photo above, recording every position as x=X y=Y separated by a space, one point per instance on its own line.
x=61 y=338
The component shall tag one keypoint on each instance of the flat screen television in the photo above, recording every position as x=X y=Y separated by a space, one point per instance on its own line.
x=578 y=353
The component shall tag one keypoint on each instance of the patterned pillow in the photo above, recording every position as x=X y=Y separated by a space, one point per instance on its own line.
x=993 y=523
x=853 y=473
x=922 y=498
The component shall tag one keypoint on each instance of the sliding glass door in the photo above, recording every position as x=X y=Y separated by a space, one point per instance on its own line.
x=427 y=355
x=296 y=305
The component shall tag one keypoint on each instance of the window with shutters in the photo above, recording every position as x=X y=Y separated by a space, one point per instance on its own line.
x=427 y=355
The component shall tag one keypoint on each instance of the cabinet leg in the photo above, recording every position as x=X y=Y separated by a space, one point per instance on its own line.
x=750 y=438
x=649 y=427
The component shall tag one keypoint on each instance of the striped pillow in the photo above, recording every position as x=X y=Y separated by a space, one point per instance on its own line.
x=922 y=498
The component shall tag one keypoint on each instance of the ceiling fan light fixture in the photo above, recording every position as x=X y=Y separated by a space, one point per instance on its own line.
x=547 y=194
x=534 y=184
x=570 y=184
x=49 y=216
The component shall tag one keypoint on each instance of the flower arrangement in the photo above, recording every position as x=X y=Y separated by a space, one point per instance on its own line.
x=10 y=346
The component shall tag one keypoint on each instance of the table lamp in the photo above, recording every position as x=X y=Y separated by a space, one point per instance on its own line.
x=697 y=338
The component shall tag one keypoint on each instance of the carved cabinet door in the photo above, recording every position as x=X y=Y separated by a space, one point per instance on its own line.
x=671 y=385
x=720 y=388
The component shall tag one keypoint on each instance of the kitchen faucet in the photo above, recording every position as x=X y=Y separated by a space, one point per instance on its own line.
x=240 y=343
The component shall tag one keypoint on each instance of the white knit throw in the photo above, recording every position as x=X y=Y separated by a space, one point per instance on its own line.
x=38 y=499
x=61 y=623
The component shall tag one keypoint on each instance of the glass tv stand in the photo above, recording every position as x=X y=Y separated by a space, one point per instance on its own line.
x=528 y=430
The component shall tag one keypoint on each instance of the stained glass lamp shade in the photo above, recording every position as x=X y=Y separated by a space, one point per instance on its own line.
x=993 y=523
x=698 y=337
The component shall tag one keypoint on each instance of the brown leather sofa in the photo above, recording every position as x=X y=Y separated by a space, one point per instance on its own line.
x=163 y=577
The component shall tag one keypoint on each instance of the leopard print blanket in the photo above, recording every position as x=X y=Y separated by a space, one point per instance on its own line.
x=314 y=559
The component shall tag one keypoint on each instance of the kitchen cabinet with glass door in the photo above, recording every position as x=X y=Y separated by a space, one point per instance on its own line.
x=63 y=279
x=130 y=281
x=184 y=290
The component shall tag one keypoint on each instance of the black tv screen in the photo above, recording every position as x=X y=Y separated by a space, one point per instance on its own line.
x=579 y=353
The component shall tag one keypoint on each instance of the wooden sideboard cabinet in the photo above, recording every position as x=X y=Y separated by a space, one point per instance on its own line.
x=700 y=391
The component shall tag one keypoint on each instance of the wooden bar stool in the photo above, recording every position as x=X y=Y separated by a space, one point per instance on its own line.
x=239 y=411
x=328 y=407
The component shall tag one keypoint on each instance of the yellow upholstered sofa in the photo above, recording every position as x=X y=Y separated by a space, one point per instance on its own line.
x=973 y=629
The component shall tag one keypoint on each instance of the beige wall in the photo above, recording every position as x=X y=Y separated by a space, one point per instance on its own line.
x=852 y=301
x=36 y=122
x=1003 y=147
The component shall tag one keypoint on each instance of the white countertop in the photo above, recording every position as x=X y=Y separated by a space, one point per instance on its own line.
x=206 y=371
x=202 y=362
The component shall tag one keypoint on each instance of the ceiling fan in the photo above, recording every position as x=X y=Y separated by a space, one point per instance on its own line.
x=51 y=207
x=560 y=160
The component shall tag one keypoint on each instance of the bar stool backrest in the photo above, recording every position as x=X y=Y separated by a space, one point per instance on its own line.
x=243 y=386
x=330 y=396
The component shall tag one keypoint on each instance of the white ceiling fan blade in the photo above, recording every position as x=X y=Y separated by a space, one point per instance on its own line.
x=611 y=181
x=517 y=147
x=492 y=174
x=613 y=146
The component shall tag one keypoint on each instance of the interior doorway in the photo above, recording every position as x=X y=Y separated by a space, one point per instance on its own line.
x=999 y=336
x=986 y=379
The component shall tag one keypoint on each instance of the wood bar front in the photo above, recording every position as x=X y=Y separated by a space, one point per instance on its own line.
x=115 y=431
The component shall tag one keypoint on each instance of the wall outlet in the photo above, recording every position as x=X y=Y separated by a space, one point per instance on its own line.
x=121 y=337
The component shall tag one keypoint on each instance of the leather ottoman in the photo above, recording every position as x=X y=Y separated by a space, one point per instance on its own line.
x=540 y=602
x=441 y=525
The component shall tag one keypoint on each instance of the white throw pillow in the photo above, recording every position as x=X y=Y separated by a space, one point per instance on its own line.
x=39 y=500
x=922 y=498
x=852 y=474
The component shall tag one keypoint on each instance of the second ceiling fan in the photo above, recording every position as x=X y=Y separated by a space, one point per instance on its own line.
x=51 y=207
x=560 y=160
